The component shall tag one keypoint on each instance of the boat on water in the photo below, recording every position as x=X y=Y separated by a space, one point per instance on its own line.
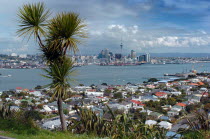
x=183 y=74
x=5 y=75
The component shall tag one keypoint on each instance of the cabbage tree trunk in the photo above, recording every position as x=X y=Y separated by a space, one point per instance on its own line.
x=62 y=117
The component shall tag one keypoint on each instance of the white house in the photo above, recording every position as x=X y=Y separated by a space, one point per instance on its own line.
x=7 y=99
x=164 y=124
x=82 y=88
x=204 y=89
x=18 y=89
x=176 y=108
x=14 y=108
x=35 y=93
x=176 y=93
x=172 y=113
x=150 y=122
x=47 y=108
x=17 y=102
x=146 y=111
x=95 y=94
x=76 y=97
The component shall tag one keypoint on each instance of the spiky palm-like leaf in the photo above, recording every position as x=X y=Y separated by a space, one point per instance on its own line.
x=60 y=72
x=65 y=31
x=33 y=20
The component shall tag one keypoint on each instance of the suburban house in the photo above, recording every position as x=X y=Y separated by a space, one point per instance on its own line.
x=150 y=122
x=95 y=94
x=35 y=93
x=176 y=93
x=18 y=89
x=137 y=104
x=76 y=97
x=165 y=125
x=161 y=94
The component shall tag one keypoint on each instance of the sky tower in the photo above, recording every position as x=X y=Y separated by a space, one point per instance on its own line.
x=121 y=46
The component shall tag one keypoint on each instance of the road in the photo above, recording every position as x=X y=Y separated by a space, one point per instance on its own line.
x=2 y=137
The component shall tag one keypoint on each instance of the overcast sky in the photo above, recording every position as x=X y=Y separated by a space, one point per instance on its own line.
x=153 y=26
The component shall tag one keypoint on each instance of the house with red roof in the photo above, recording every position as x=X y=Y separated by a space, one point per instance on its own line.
x=137 y=103
x=200 y=83
x=76 y=97
x=205 y=94
x=181 y=104
x=161 y=94
x=18 y=89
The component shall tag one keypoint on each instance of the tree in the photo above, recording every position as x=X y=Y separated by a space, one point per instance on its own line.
x=190 y=108
x=38 y=87
x=153 y=80
x=105 y=84
x=207 y=107
x=107 y=92
x=24 y=104
x=59 y=73
x=118 y=95
x=54 y=37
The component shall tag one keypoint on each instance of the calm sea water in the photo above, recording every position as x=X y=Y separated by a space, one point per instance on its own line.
x=93 y=74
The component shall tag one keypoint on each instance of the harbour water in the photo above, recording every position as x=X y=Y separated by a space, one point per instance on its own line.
x=93 y=74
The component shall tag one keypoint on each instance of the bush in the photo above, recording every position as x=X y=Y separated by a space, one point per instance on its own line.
x=119 y=126
x=66 y=111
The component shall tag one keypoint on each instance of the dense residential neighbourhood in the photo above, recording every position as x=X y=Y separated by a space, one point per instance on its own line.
x=166 y=104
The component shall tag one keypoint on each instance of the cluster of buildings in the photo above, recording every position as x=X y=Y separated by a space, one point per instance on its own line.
x=129 y=98
x=105 y=57
x=108 y=58
x=21 y=61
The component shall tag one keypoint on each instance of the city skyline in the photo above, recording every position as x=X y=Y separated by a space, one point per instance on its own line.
x=146 y=26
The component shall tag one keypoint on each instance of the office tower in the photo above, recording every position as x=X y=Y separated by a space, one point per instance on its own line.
x=147 y=57
x=142 y=58
x=106 y=53
x=133 y=54
x=118 y=56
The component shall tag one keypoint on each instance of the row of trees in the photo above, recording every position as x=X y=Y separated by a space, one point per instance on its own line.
x=55 y=37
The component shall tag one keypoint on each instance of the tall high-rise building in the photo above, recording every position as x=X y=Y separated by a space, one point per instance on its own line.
x=106 y=53
x=142 y=58
x=121 y=45
x=133 y=54
x=118 y=56
x=148 y=58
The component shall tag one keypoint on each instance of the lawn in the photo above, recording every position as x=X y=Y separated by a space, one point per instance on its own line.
x=16 y=129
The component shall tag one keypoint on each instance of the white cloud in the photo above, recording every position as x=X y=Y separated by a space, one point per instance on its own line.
x=22 y=49
x=137 y=39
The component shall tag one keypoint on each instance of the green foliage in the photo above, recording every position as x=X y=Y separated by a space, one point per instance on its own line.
x=118 y=95
x=35 y=115
x=33 y=19
x=193 y=135
x=38 y=87
x=141 y=116
x=119 y=126
x=20 y=130
x=59 y=73
x=24 y=104
x=66 y=111
x=153 y=80
x=4 y=95
x=107 y=92
x=5 y=111
x=191 y=107
x=199 y=121
x=40 y=106
x=105 y=84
